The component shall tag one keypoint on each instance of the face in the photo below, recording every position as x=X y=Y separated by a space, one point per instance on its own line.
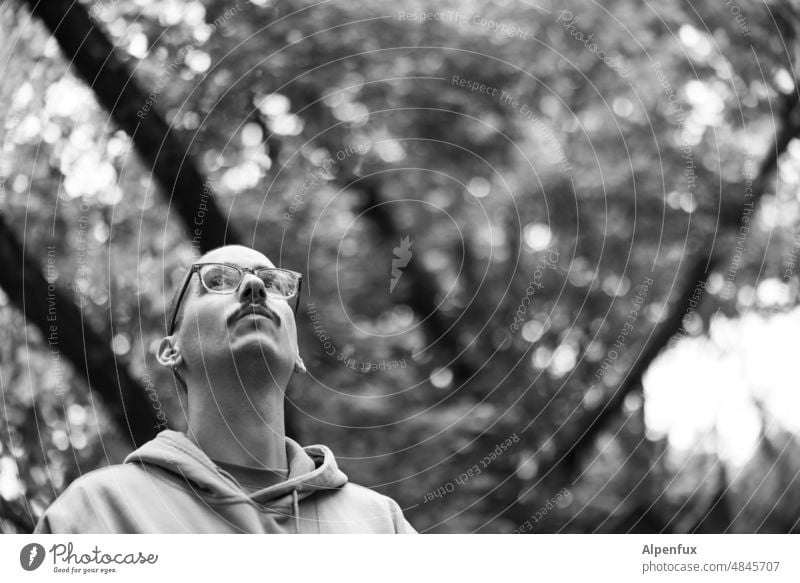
x=218 y=331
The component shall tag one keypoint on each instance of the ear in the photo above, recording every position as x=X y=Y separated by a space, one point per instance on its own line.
x=168 y=354
x=299 y=365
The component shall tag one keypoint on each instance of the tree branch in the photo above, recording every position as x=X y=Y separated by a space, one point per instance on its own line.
x=564 y=462
x=64 y=329
x=96 y=60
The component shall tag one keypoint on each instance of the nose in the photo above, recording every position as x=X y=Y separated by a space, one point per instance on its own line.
x=252 y=290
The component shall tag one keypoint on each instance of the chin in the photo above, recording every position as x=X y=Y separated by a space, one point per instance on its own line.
x=259 y=350
x=261 y=346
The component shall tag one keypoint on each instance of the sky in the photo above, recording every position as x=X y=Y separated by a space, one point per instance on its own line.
x=702 y=393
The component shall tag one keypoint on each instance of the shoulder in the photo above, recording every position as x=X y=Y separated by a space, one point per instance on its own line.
x=107 y=479
x=99 y=482
x=88 y=501
x=377 y=510
x=366 y=495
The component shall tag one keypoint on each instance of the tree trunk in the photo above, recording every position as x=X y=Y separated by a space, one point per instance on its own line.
x=95 y=59
x=54 y=312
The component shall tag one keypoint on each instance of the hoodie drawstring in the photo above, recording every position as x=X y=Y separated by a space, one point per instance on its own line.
x=296 y=508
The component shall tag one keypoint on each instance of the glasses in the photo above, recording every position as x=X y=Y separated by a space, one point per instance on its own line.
x=225 y=278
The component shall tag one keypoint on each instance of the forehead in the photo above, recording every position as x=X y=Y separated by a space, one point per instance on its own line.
x=238 y=255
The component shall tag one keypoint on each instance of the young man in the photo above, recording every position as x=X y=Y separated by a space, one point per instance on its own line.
x=232 y=343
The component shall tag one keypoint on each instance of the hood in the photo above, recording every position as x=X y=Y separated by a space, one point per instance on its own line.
x=311 y=469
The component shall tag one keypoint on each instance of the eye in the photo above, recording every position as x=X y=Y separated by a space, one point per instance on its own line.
x=278 y=282
x=220 y=277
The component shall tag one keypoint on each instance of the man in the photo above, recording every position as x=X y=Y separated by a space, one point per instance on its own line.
x=232 y=344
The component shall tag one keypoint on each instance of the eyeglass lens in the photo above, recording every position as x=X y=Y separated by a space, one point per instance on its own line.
x=225 y=279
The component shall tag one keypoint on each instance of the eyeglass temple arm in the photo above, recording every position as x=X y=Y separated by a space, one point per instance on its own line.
x=299 y=289
x=180 y=299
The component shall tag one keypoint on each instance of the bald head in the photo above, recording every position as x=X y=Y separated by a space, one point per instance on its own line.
x=238 y=255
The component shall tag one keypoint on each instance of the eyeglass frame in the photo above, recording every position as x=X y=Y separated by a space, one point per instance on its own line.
x=195 y=268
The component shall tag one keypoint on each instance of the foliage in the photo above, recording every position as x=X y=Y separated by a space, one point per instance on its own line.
x=331 y=131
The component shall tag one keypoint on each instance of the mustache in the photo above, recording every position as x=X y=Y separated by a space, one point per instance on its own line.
x=250 y=309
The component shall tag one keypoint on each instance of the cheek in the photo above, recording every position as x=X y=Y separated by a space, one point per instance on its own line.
x=288 y=331
x=204 y=323
x=292 y=335
x=291 y=326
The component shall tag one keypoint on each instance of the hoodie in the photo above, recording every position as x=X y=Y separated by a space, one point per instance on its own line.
x=169 y=485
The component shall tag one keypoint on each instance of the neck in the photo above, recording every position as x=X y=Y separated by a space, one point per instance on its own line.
x=238 y=423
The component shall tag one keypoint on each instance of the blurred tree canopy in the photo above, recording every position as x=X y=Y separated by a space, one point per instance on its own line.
x=504 y=212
